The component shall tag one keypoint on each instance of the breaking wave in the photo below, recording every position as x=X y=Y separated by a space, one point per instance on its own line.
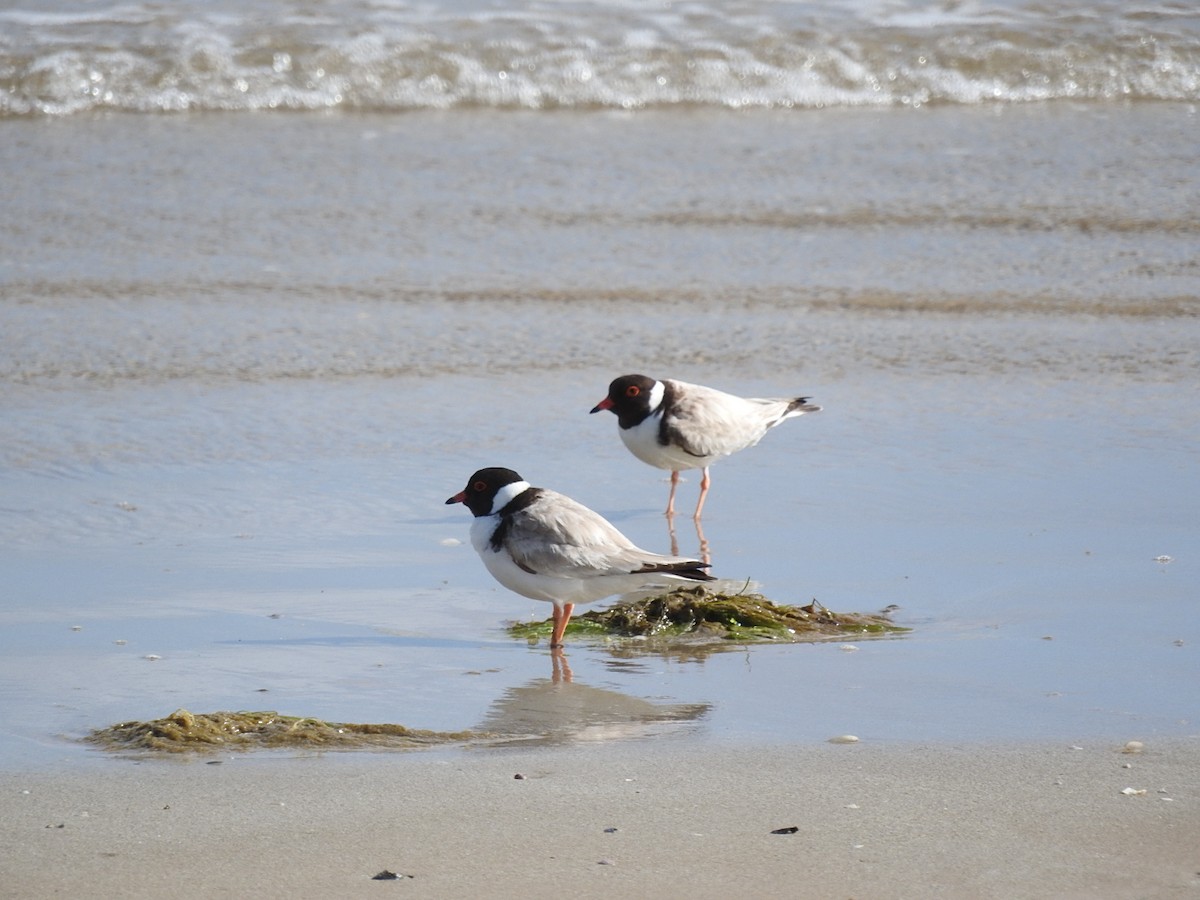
x=381 y=56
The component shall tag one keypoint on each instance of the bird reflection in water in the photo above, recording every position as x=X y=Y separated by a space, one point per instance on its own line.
x=560 y=668
x=559 y=710
x=705 y=550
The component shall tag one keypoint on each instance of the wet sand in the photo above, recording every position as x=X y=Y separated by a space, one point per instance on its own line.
x=872 y=821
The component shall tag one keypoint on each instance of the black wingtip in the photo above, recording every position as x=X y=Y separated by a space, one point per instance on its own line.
x=690 y=569
x=802 y=404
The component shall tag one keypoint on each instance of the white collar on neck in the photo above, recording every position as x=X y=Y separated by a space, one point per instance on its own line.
x=656 y=395
x=507 y=494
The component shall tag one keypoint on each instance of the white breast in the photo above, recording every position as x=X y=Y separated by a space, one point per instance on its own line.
x=642 y=441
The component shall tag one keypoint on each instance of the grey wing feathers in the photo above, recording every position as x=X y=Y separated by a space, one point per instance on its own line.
x=704 y=422
x=557 y=536
x=710 y=423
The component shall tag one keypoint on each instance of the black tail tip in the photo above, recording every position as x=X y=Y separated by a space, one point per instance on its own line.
x=803 y=404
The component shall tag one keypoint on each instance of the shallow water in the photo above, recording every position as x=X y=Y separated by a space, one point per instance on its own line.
x=312 y=222
x=245 y=360
x=1020 y=549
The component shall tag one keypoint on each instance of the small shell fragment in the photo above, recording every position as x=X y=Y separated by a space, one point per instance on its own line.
x=844 y=739
x=1133 y=747
x=1133 y=792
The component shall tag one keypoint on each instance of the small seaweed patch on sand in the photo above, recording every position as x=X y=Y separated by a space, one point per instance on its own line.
x=701 y=613
x=183 y=731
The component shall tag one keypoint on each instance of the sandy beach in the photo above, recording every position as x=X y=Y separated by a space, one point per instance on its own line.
x=596 y=820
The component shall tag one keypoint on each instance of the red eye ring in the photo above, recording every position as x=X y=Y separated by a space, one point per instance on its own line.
x=632 y=391
x=479 y=486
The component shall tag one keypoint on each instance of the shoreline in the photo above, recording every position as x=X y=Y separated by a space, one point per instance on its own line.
x=1042 y=819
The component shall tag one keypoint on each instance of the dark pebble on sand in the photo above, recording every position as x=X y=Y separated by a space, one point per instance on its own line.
x=388 y=875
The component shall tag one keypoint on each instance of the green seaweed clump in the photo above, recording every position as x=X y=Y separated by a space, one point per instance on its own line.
x=183 y=731
x=699 y=612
